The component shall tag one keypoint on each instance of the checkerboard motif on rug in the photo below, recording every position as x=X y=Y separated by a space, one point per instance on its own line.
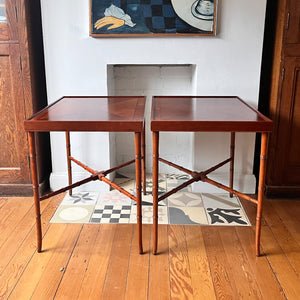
x=183 y=207
x=111 y=214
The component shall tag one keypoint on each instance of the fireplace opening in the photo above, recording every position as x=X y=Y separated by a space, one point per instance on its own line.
x=152 y=80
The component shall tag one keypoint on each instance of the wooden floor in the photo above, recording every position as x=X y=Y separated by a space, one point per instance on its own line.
x=102 y=261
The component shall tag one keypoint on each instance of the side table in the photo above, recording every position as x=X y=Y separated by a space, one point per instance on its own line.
x=207 y=114
x=101 y=113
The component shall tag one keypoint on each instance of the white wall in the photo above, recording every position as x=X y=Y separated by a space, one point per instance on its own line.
x=228 y=64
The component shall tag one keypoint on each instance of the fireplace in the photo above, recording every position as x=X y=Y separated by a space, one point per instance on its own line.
x=150 y=80
x=192 y=150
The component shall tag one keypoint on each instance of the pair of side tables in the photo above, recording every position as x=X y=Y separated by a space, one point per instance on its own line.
x=169 y=113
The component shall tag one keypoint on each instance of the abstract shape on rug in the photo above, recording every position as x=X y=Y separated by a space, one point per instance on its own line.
x=113 y=197
x=73 y=214
x=221 y=215
x=221 y=209
x=184 y=207
x=187 y=216
x=80 y=198
x=147 y=213
x=185 y=199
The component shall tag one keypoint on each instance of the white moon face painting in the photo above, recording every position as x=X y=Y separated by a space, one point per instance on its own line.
x=152 y=17
x=199 y=13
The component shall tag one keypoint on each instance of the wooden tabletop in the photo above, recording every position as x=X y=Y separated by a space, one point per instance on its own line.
x=189 y=113
x=99 y=113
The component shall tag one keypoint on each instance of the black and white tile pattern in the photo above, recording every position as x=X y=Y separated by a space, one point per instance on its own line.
x=183 y=207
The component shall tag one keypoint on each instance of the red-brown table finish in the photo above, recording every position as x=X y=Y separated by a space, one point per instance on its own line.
x=207 y=114
x=100 y=113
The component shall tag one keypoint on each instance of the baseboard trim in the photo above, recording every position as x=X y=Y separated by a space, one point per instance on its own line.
x=244 y=183
x=273 y=191
x=22 y=189
x=60 y=180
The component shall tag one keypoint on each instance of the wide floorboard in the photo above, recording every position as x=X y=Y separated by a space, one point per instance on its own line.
x=194 y=262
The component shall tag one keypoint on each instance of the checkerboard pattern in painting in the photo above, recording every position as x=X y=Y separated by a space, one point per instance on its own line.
x=111 y=214
x=159 y=16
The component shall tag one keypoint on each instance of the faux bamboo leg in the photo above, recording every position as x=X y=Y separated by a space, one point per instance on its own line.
x=232 y=147
x=155 y=188
x=35 y=186
x=144 y=160
x=138 y=188
x=261 y=186
x=68 y=146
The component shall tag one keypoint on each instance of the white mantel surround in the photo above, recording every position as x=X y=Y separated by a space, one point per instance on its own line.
x=228 y=64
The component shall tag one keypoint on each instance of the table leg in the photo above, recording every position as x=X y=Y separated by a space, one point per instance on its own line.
x=35 y=186
x=144 y=159
x=155 y=188
x=261 y=187
x=138 y=188
x=68 y=146
x=232 y=147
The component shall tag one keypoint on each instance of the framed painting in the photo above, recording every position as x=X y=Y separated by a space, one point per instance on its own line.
x=118 y=18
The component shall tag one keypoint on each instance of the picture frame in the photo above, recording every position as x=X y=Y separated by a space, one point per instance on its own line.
x=146 y=18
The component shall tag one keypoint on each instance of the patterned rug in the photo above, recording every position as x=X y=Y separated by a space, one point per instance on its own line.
x=184 y=207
